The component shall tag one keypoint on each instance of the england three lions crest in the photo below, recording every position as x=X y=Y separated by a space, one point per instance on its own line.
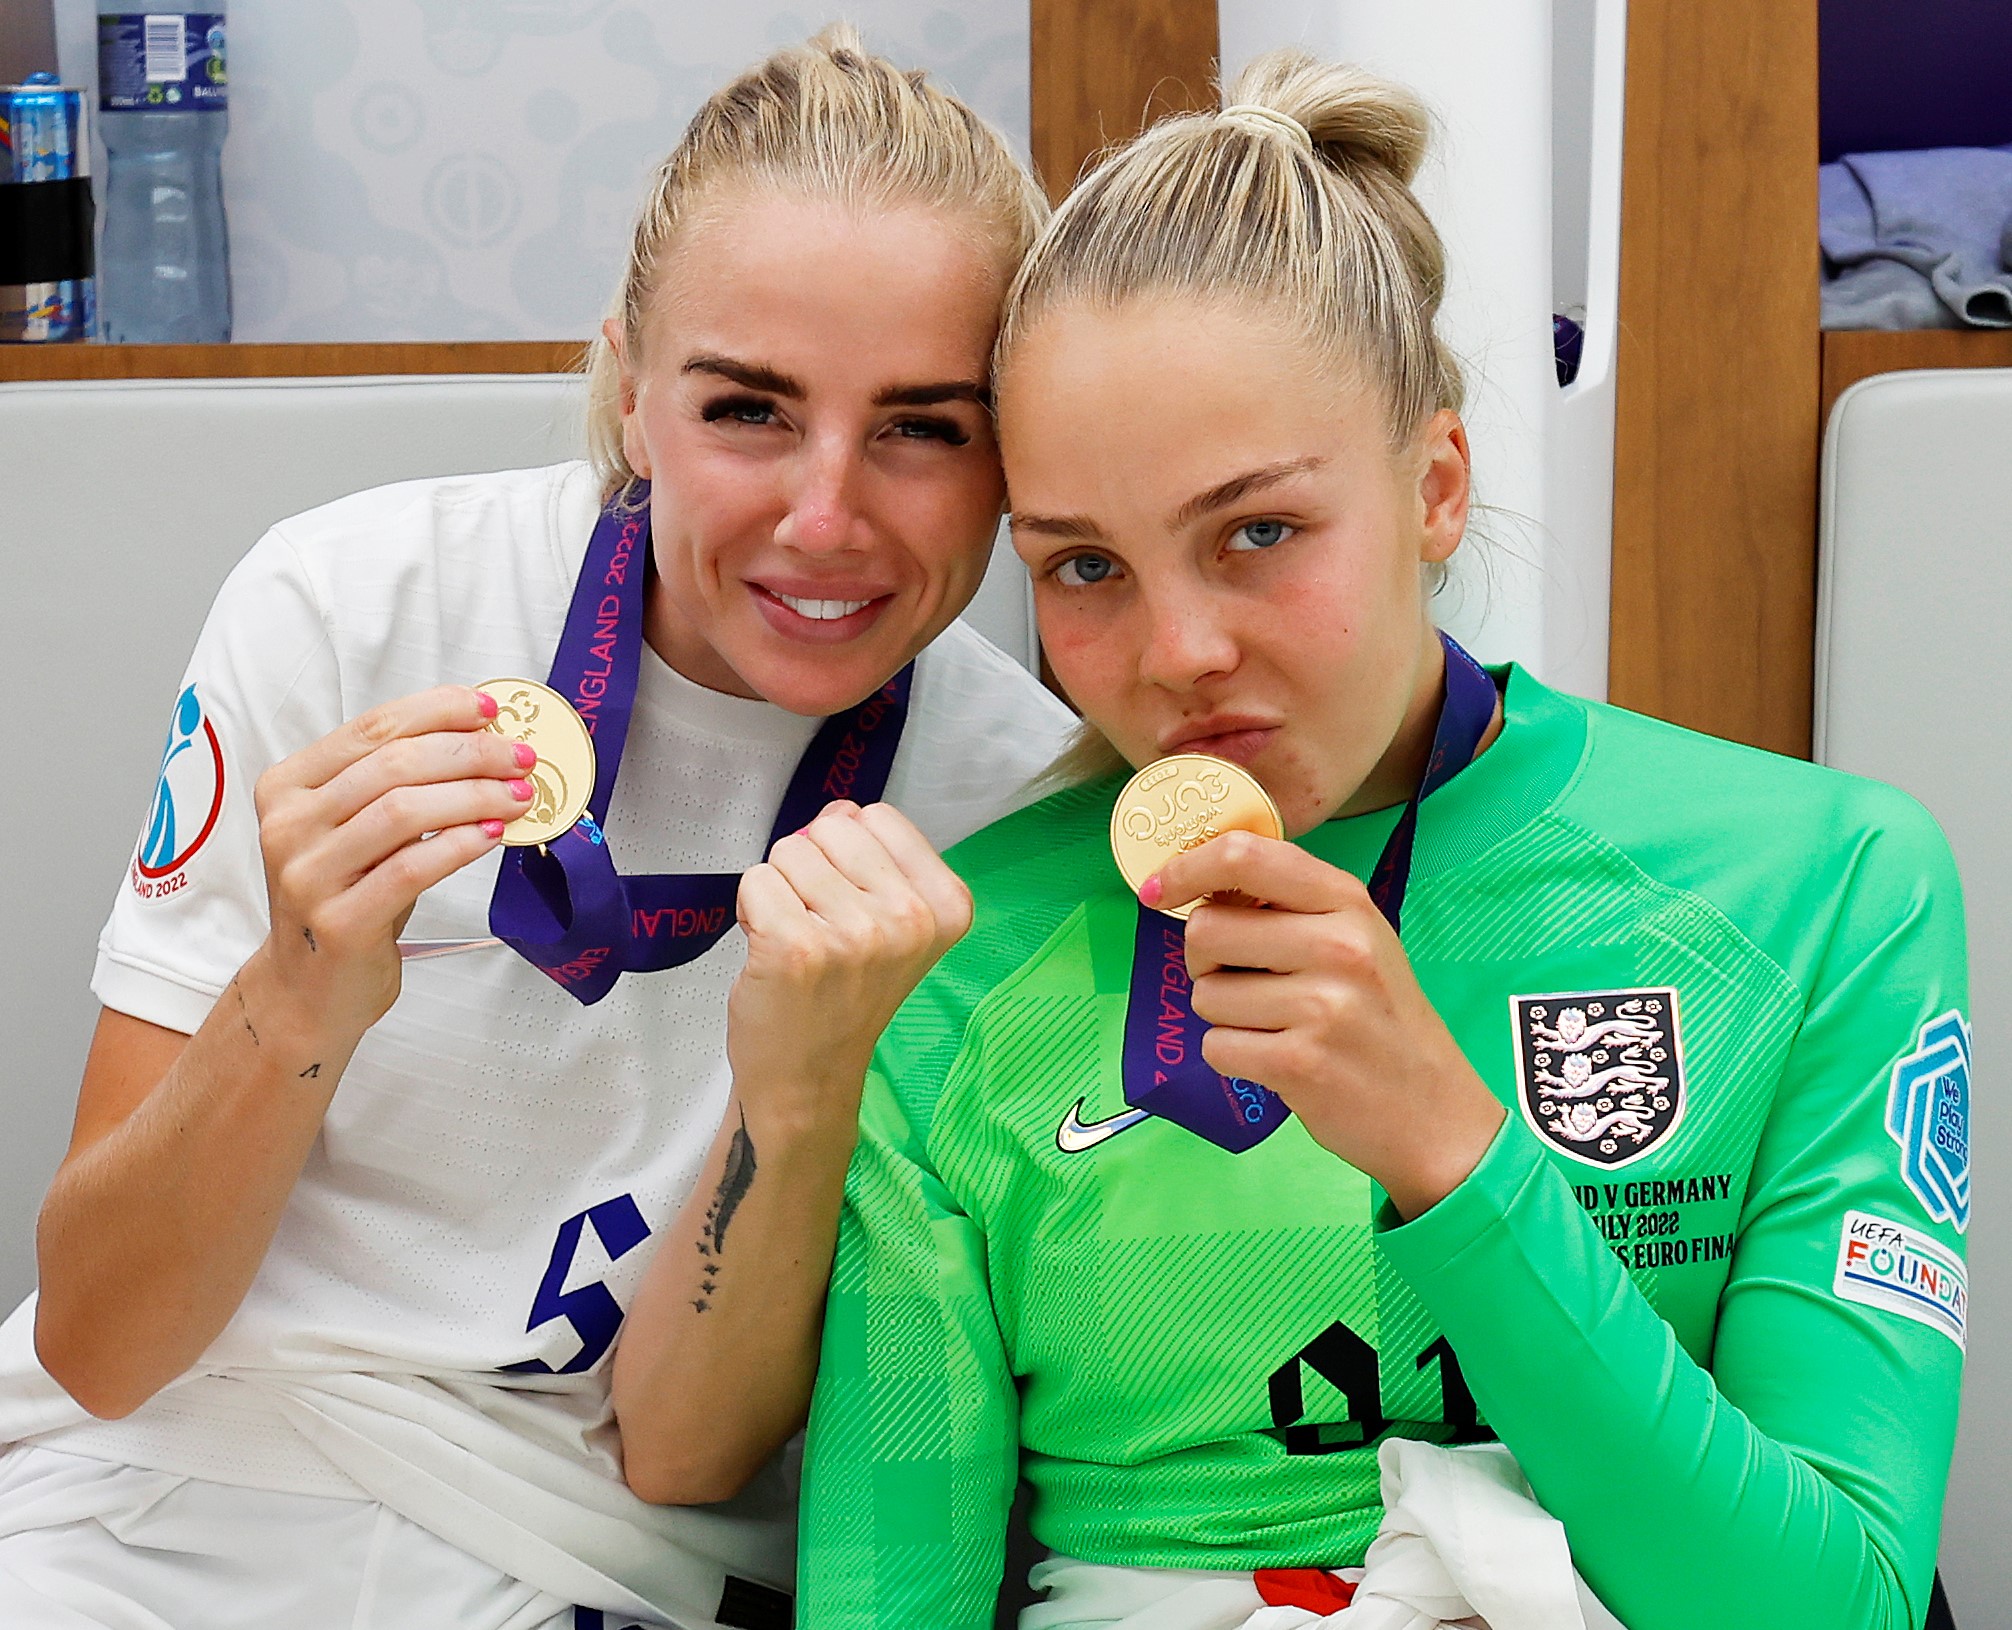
x=1600 y=1073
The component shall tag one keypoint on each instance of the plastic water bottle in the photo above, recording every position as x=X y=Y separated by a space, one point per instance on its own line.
x=164 y=260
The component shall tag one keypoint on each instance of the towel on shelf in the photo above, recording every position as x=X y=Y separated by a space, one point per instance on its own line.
x=1463 y=1543
x=1917 y=240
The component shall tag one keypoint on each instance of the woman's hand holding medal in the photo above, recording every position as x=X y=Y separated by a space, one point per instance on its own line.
x=842 y=921
x=1311 y=994
x=158 y=1231
x=341 y=824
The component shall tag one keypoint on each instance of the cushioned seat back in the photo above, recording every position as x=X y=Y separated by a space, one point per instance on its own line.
x=1914 y=686
x=122 y=507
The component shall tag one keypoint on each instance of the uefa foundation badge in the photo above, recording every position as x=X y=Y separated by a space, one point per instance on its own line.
x=1928 y=1115
x=188 y=799
x=1885 y=1264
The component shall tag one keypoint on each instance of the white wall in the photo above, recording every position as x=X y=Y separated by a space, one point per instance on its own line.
x=469 y=169
x=1484 y=66
x=1524 y=187
x=1572 y=61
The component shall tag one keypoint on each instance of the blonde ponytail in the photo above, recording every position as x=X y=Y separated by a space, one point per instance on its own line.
x=1295 y=197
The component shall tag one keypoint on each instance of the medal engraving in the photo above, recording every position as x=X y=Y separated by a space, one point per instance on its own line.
x=1177 y=803
x=563 y=778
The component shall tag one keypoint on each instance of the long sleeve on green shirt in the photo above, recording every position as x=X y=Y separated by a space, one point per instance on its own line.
x=1706 y=1284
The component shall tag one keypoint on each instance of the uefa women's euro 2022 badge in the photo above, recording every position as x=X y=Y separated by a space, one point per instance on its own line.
x=188 y=799
x=1928 y=1115
x=1600 y=1072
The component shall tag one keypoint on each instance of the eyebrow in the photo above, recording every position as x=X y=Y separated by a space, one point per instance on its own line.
x=1238 y=488
x=755 y=376
x=949 y=390
x=750 y=374
x=1221 y=496
x=1079 y=527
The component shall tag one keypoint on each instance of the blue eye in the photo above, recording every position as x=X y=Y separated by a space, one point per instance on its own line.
x=748 y=410
x=1260 y=535
x=1080 y=571
x=947 y=431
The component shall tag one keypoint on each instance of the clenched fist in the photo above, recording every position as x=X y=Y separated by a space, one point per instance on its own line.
x=842 y=920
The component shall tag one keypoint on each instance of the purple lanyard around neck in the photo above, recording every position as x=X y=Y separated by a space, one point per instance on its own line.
x=562 y=906
x=1164 y=1071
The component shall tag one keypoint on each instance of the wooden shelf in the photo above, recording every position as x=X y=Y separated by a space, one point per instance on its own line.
x=19 y=362
x=1850 y=355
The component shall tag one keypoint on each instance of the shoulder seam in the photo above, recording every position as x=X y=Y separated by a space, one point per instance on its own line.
x=320 y=602
x=1671 y=891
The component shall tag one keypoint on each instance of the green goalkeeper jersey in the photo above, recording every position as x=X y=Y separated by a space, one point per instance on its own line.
x=1706 y=1284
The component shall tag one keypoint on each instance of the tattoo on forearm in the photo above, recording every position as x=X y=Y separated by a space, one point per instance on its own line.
x=244 y=1013
x=736 y=1178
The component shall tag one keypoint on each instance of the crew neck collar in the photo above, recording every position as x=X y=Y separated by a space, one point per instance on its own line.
x=1518 y=777
x=665 y=695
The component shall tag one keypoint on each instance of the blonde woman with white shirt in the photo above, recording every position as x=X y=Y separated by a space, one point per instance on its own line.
x=389 y=1291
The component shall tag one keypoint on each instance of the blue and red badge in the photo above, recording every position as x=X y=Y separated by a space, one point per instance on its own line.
x=188 y=799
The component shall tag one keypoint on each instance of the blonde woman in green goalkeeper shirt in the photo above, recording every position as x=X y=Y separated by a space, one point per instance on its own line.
x=1644 y=1149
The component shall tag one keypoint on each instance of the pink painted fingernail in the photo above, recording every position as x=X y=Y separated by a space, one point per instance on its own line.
x=485 y=704
x=521 y=791
x=492 y=829
x=526 y=755
x=1150 y=891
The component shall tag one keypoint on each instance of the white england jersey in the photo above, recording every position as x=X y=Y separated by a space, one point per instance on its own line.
x=449 y=1274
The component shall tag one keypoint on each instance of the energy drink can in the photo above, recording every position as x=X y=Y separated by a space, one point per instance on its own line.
x=47 y=291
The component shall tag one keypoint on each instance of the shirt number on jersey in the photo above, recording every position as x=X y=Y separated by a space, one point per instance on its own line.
x=1353 y=1368
x=591 y=1308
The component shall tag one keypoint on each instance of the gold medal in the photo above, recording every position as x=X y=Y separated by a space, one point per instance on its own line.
x=563 y=778
x=1176 y=803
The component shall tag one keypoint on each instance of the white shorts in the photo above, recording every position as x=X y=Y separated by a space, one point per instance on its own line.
x=93 y=1545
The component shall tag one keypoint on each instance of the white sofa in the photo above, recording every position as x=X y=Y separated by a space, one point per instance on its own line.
x=122 y=506
x=1914 y=686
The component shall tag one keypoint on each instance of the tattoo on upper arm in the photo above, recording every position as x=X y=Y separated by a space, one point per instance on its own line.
x=244 y=1013
x=736 y=1178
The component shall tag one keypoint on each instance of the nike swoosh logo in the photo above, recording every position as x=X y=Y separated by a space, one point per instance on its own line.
x=1075 y=1135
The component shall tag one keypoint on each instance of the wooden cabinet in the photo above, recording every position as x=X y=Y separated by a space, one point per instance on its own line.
x=1104 y=69
x=1725 y=381
x=1851 y=356
x=1716 y=432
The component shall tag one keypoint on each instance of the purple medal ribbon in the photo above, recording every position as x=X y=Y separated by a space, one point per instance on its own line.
x=1164 y=1071
x=562 y=906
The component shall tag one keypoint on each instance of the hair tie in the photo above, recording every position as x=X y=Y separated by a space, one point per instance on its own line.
x=1257 y=116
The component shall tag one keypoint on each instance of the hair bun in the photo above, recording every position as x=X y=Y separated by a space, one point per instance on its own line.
x=1354 y=119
